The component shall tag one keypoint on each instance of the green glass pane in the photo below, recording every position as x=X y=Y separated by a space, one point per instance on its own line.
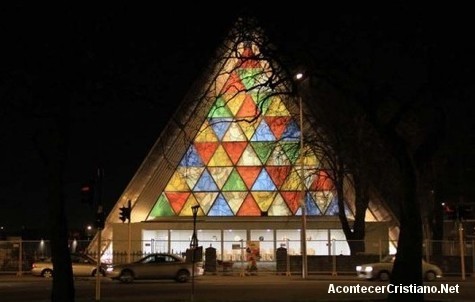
x=263 y=149
x=235 y=183
x=262 y=101
x=251 y=77
x=161 y=208
x=292 y=150
x=219 y=109
x=278 y=157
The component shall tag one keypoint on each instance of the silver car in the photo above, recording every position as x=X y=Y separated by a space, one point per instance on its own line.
x=155 y=266
x=82 y=265
x=382 y=270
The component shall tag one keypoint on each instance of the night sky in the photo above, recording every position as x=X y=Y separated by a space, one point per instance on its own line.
x=126 y=67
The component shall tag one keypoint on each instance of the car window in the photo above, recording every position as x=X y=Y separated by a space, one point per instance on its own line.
x=389 y=258
x=170 y=259
x=160 y=259
x=149 y=259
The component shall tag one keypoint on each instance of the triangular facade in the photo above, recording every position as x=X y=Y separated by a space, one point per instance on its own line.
x=247 y=149
x=233 y=148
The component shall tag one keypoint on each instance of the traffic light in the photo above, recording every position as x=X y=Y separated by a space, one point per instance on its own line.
x=87 y=193
x=124 y=214
x=100 y=220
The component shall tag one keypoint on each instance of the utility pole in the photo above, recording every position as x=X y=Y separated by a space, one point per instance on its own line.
x=99 y=225
x=130 y=231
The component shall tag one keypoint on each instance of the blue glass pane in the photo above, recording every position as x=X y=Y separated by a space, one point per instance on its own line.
x=220 y=208
x=191 y=158
x=332 y=209
x=264 y=182
x=220 y=126
x=263 y=133
x=206 y=183
x=292 y=132
x=310 y=206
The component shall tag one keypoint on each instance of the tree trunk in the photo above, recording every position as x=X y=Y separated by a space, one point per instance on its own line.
x=407 y=269
x=55 y=151
x=355 y=236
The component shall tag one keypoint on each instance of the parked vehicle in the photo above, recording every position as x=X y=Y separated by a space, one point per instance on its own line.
x=155 y=266
x=382 y=270
x=82 y=265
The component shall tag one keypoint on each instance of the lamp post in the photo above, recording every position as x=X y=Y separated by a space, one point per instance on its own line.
x=193 y=247
x=303 y=234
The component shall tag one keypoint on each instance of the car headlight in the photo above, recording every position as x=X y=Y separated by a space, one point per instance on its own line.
x=358 y=268
x=109 y=269
x=368 y=269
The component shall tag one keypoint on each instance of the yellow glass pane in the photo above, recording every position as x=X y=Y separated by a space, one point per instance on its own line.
x=292 y=183
x=279 y=207
x=264 y=199
x=248 y=127
x=186 y=211
x=177 y=183
x=249 y=157
x=234 y=103
x=234 y=133
x=310 y=159
x=220 y=158
x=220 y=174
x=190 y=174
x=206 y=134
x=277 y=108
x=323 y=199
x=205 y=199
x=234 y=199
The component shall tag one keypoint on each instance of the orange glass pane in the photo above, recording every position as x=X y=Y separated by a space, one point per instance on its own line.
x=292 y=198
x=249 y=207
x=177 y=200
x=248 y=108
x=277 y=124
x=278 y=174
x=234 y=150
x=233 y=85
x=322 y=182
x=206 y=150
x=249 y=174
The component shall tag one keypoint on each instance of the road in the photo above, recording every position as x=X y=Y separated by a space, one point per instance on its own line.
x=221 y=288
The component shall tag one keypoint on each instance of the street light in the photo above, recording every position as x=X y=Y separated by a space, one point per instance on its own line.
x=303 y=234
x=194 y=239
x=193 y=247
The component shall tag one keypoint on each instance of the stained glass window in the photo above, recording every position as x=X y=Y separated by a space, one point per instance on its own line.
x=246 y=157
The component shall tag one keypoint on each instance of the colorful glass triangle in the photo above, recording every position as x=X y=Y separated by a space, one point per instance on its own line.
x=245 y=158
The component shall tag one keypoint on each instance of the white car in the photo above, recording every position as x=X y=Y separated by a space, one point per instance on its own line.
x=155 y=266
x=382 y=270
x=82 y=265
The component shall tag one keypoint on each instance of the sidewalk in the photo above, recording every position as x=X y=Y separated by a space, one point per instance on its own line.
x=236 y=275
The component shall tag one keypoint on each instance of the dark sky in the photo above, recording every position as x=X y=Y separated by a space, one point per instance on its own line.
x=126 y=67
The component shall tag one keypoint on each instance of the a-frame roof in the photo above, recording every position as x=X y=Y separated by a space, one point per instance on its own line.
x=244 y=86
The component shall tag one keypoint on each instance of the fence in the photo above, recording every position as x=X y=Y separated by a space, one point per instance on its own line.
x=17 y=256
